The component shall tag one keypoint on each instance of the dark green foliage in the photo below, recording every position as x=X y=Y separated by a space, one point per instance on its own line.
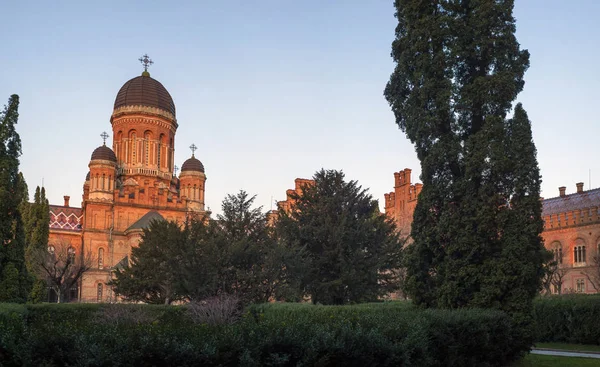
x=250 y=263
x=393 y=334
x=348 y=251
x=234 y=254
x=477 y=223
x=155 y=273
x=37 y=223
x=14 y=280
x=567 y=319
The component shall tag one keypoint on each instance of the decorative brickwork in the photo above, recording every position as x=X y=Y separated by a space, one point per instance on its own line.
x=65 y=218
x=127 y=185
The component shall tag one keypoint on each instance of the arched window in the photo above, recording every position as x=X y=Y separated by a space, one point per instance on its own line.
x=557 y=251
x=99 y=295
x=579 y=252
x=103 y=179
x=100 y=258
x=133 y=148
x=147 y=147
x=71 y=253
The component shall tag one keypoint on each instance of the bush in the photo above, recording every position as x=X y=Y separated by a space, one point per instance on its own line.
x=573 y=318
x=392 y=333
x=12 y=335
x=220 y=310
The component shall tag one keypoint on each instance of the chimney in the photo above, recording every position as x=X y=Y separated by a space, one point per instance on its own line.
x=562 y=190
x=579 y=187
x=66 y=197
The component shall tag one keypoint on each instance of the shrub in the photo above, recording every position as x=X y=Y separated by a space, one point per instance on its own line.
x=13 y=350
x=392 y=334
x=220 y=310
x=573 y=318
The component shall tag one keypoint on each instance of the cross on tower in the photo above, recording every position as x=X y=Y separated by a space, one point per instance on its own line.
x=146 y=61
x=193 y=147
x=175 y=169
x=104 y=135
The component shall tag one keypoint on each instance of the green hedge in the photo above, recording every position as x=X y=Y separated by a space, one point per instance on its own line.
x=568 y=318
x=391 y=334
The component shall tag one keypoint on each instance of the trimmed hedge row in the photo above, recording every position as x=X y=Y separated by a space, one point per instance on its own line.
x=267 y=335
x=573 y=318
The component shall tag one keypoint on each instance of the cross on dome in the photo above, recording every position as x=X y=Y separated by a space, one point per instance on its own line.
x=175 y=169
x=193 y=147
x=146 y=61
x=104 y=136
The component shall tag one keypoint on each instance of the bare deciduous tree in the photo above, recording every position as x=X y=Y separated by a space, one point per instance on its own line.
x=553 y=277
x=593 y=274
x=60 y=266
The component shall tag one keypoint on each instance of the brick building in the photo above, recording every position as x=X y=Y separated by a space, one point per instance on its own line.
x=128 y=185
x=400 y=203
x=572 y=233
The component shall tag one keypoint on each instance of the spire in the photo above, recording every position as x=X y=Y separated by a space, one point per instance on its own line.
x=146 y=61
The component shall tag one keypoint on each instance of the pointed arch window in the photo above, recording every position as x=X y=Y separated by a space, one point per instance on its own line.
x=100 y=290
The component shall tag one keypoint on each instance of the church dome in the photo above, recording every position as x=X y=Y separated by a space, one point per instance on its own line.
x=104 y=153
x=145 y=91
x=192 y=164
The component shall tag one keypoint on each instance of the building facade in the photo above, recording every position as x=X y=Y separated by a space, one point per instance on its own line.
x=572 y=233
x=128 y=186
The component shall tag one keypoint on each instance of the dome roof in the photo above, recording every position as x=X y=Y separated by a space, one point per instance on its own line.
x=104 y=153
x=192 y=164
x=145 y=91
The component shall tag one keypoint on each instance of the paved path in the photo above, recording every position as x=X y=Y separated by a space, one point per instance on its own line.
x=564 y=353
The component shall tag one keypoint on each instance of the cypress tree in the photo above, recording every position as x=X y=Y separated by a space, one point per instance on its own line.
x=14 y=280
x=37 y=222
x=477 y=224
x=36 y=217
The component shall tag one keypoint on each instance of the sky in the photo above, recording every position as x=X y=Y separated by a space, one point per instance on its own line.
x=271 y=90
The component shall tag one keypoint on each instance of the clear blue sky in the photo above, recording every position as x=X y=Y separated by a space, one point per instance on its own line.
x=271 y=90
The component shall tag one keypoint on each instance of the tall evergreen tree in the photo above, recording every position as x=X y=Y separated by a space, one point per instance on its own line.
x=349 y=251
x=14 y=281
x=36 y=218
x=476 y=228
x=37 y=222
x=251 y=262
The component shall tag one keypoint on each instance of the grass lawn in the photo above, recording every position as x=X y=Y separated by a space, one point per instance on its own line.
x=537 y=360
x=573 y=347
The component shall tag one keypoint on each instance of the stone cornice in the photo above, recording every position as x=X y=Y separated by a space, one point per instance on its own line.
x=192 y=175
x=102 y=162
x=145 y=110
x=122 y=120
